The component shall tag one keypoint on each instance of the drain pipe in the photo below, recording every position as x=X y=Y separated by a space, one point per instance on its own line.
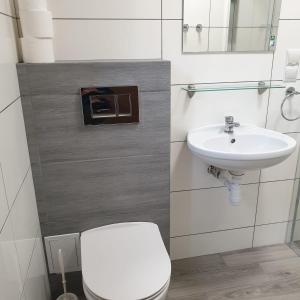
x=231 y=180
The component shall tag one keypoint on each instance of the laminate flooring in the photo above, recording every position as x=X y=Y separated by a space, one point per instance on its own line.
x=266 y=273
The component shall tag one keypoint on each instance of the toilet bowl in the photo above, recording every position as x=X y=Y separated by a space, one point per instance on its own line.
x=126 y=261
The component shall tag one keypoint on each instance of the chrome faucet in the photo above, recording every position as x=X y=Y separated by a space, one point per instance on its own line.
x=230 y=124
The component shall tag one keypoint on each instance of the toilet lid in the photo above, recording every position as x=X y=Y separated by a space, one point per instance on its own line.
x=125 y=261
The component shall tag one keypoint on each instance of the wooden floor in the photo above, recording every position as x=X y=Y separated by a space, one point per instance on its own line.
x=268 y=273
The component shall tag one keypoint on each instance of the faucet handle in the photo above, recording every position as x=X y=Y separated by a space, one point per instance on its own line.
x=229 y=119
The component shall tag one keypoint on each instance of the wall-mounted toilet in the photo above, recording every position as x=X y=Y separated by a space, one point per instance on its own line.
x=126 y=261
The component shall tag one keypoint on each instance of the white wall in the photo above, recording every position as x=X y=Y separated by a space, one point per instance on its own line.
x=23 y=272
x=202 y=220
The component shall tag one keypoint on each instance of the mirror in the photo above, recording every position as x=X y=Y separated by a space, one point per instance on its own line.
x=230 y=25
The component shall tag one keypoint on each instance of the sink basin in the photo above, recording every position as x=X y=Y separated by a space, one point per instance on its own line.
x=248 y=148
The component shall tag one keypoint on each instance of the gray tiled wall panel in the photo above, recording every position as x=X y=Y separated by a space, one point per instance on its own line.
x=89 y=194
x=31 y=130
x=68 y=78
x=62 y=136
x=88 y=176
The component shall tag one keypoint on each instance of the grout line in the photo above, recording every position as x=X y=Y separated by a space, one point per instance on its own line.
x=7 y=15
x=30 y=259
x=172 y=19
x=208 y=188
x=101 y=159
x=17 y=194
x=272 y=223
x=256 y=208
x=106 y=19
x=269 y=98
x=121 y=19
x=291 y=132
x=17 y=24
x=161 y=29
x=242 y=184
x=215 y=231
x=6 y=197
x=10 y=104
x=296 y=208
x=209 y=28
x=289 y=19
x=224 y=230
x=137 y=19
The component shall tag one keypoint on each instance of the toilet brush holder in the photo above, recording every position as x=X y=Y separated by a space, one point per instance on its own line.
x=65 y=295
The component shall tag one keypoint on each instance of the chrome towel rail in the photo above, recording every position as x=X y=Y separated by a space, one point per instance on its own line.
x=290 y=92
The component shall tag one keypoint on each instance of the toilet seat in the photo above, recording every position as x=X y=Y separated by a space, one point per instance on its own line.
x=126 y=261
x=161 y=295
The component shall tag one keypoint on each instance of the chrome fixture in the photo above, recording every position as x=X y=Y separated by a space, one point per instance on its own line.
x=231 y=180
x=199 y=27
x=261 y=87
x=290 y=92
x=230 y=124
x=186 y=27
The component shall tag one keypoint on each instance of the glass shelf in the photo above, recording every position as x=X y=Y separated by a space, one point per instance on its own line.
x=261 y=87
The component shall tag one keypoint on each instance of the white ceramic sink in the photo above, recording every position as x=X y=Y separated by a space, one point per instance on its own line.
x=248 y=148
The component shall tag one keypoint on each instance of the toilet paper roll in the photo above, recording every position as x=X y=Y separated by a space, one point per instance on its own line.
x=291 y=73
x=36 y=23
x=37 y=50
x=32 y=4
x=293 y=57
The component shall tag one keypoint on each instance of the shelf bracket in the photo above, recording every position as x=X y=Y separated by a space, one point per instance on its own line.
x=191 y=90
x=262 y=88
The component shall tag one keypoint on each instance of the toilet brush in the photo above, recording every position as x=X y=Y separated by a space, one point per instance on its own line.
x=65 y=295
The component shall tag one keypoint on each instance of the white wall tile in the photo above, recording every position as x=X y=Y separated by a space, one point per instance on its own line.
x=291 y=108
x=211 y=107
x=107 y=39
x=120 y=9
x=189 y=172
x=9 y=86
x=194 y=41
x=172 y=9
x=290 y=9
x=25 y=223
x=10 y=279
x=296 y=235
x=195 y=10
x=274 y=202
x=286 y=169
x=298 y=167
x=36 y=285
x=295 y=202
x=17 y=237
x=13 y=151
x=203 y=244
x=208 y=210
x=210 y=67
x=270 y=234
x=3 y=201
x=7 y=7
x=286 y=40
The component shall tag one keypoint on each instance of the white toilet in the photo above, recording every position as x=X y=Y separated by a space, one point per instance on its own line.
x=126 y=261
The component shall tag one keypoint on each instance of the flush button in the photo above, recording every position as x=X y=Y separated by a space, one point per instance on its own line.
x=103 y=106
x=110 y=105
x=124 y=105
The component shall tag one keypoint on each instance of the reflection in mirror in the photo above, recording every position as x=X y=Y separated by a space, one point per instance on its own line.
x=230 y=25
